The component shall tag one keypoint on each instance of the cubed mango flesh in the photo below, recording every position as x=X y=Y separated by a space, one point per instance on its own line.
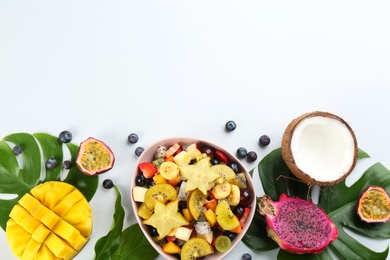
x=53 y=221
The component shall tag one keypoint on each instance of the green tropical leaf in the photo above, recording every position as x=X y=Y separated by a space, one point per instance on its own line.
x=20 y=173
x=128 y=244
x=134 y=245
x=107 y=245
x=338 y=201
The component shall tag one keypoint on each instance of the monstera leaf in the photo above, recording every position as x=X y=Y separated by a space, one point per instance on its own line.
x=338 y=201
x=20 y=173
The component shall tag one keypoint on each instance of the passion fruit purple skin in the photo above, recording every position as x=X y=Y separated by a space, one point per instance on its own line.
x=79 y=159
x=382 y=205
x=296 y=225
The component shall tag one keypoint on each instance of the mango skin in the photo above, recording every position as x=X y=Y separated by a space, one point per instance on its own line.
x=52 y=221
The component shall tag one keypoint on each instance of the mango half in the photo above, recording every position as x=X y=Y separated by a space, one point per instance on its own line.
x=53 y=221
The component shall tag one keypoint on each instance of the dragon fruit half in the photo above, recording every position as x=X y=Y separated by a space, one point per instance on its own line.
x=296 y=225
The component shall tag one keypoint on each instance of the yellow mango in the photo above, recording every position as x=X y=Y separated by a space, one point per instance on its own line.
x=68 y=202
x=50 y=219
x=53 y=221
x=31 y=249
x=40 y=193
x=66 y=231
x=40 y=233
x=59 y=247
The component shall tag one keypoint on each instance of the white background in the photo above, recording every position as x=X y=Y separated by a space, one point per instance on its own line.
x=180 y=68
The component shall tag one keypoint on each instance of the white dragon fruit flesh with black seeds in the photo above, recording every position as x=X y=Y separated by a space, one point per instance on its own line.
x=296 y=225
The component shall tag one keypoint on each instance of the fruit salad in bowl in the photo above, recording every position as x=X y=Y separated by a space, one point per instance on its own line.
x=192 y=198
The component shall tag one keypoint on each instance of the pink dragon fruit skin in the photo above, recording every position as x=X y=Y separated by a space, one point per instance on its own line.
x=296 y=225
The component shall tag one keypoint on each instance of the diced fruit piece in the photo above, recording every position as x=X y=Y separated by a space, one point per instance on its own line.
x=193 y=151
x=244 y=216
x=225 y=217
x=139 y=193
x=94 y=157
x=174 y=182
x=226 y=173
x=171 y=150
x=210 y=216
x=374 y=205
x=209 y=237
x=183 y=233
x=35 y=230
x=196 y=200
x=221 y=190
x=221 y=156
x=160 y=192
x=182 y=158
x=202 y=227
x=147 y=169
x=182 y=194
x=199 y=175
x=211 y=204
x=187 y=214
x=196 y=248
x=166 y=217
x=222 y=243
x=170 y=248
x=158 y=178
x=240 y=180
x=144 y=212
x=169 y=170
x=234 y=196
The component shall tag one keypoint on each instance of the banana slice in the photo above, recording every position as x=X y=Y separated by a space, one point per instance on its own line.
x=169 y=170
x=222 y=190
x=234 y=196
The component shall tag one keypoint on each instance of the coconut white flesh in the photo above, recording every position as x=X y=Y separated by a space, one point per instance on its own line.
x=323 y=148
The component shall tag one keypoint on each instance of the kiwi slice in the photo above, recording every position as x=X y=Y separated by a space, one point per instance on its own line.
x=226 y=173
x=162 y=192
x=225 y=217
x=196 y=200
x=196 y=247
x=223 y=243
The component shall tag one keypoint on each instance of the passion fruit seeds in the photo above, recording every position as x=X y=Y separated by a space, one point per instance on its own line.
x=374 y=205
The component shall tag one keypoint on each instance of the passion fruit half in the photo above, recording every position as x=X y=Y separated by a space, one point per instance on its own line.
x=319 y=148
x=374 y=205
x=94 y=157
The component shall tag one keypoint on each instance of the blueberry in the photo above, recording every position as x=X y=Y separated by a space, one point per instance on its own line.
x=108 y=184
x=241 y=152
x=238 y=211
x=67 y=164
x=51 y=163
x=140 y=180
x=230 y=126
x=234 y=166
x=153 y=231
x=214 y=161
x=65 y=136
x=264 y=140
x=230 y=235
x=251 y=156
x=149 y=183
x=17 y=149
x=132 y=138
x=246 y=256
x=139 y=150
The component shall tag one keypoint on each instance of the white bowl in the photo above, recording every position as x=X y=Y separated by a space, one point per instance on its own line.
x=148 y=156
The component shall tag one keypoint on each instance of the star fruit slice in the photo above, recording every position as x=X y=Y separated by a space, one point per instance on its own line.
x=166 y=217
x=199 y=175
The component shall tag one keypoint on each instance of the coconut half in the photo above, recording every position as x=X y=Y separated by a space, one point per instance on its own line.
x=319 y=148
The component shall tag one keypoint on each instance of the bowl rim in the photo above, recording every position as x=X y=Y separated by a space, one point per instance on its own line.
x=183 y=140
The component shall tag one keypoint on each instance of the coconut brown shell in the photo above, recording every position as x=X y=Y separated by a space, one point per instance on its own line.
x=289 y=158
